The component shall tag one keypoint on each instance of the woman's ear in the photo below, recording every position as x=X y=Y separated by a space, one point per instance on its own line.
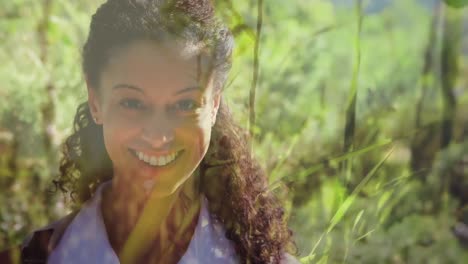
x=94 y=104
x=216 y=102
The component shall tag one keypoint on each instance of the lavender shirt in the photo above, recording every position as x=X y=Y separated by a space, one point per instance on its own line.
x=86 y=241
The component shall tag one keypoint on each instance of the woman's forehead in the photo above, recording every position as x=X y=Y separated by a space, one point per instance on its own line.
x=147 y=52
x=147 y=64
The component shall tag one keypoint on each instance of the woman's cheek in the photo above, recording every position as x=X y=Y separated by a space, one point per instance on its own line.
x=203 y=117
x=197 y=134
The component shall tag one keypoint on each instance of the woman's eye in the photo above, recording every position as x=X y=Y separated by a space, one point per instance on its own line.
x=186 y=105
x=132 y=104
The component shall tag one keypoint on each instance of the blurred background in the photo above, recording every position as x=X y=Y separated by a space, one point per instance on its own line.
x=361 y=118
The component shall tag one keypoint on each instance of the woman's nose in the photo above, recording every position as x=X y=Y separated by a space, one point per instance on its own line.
x=158 y=132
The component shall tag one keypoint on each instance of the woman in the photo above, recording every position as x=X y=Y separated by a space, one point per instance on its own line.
x=159 y=170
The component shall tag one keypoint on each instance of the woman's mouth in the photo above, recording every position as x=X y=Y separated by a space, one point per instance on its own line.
x=159 y=160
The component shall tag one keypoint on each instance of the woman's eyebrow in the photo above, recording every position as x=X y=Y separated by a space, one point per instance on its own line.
x=127 y=86
x=136 y=88
x=188 y=89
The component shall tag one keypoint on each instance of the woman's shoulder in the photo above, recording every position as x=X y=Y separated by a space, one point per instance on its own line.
x=289 y=259
x=37 y=246
x=210 y=244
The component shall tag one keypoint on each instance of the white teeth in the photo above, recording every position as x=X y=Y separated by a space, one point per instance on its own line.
x=156 y=161
x=161 y=161
x=153 y=161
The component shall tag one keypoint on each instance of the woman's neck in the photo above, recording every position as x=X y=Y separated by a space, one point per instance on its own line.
x=132 y=215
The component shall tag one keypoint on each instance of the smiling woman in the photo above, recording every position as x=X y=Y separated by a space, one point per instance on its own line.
x=142 y=104
x=156 y=166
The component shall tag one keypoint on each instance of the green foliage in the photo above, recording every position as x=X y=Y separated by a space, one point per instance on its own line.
x=456 y=3
x=25 y=175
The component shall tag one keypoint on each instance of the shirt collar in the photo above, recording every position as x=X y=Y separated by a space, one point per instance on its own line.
x=86 y=240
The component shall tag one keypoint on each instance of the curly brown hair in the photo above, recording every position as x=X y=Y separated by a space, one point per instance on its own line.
x=231 y=179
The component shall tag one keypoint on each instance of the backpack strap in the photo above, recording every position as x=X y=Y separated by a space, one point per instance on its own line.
x=35 y=251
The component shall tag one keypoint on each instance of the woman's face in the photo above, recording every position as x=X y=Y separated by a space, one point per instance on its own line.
x=156 y=115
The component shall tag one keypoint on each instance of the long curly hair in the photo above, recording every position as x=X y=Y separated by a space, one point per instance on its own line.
x=232 y=180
